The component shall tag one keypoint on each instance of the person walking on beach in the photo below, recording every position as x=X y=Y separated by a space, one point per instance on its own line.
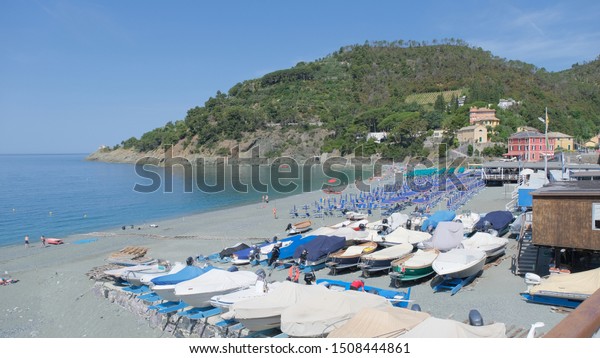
x=43 y=241
x=26 y=240
x=274 y=213
x=266 y=199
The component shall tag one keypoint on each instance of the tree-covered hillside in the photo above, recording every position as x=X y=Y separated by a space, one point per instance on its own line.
x=372 y=87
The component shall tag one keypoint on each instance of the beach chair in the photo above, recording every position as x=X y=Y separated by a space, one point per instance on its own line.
x=150 y=297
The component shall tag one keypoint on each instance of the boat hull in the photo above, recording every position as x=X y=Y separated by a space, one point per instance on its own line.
x=459 y=263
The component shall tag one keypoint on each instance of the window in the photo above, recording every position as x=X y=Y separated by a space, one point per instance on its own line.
x=595 y=216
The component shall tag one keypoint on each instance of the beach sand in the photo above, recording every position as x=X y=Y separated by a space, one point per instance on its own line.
x=54 y=297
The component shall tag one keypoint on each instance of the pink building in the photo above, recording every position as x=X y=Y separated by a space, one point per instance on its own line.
x=483 y=116
x=530 y=146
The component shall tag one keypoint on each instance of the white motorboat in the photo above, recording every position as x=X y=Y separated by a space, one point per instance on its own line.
x=147 y=278
x=469 y=220
x=459 y=263
x=493 y=246
x=226 y=301
x=198 y=291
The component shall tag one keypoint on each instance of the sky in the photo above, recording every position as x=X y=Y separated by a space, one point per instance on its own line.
x=78 y=74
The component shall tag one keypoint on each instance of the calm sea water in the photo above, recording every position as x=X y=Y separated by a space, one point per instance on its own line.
x=58 y=195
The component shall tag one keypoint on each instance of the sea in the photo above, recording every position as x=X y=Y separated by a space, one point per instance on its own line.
x=56 y=195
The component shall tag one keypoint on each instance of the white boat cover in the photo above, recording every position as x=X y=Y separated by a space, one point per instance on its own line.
x=484 y=241
x=397 y=220
x=384 y=322
x=401 y=235
x=353 y=250
x=459 y=261
x=447 y=235
x=352 y=235
x=421 y=258
x=215 y=281
x=323 y=230
x=468 y=220
x=321 y=313
x=124 y=270
x=445 y=328
x=276 y=300
x=259 y=289
x=581 y=283
x=391 y=252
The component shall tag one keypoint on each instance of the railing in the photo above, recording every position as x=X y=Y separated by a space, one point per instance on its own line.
x=583 y=322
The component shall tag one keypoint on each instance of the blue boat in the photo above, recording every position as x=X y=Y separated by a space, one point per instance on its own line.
x=288 y=247
x=164 y=286
x=436 y=218
x=396 y=298
x=495 y=220
x=311 y=256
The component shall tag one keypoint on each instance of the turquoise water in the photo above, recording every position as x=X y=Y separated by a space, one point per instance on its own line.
x=59 y=195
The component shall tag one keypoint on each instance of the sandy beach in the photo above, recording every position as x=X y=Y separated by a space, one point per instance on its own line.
x=54 y=296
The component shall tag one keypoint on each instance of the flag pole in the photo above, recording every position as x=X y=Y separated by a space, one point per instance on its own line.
x=546 y=154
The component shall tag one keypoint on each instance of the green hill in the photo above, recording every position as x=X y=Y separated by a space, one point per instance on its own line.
x=391 y=86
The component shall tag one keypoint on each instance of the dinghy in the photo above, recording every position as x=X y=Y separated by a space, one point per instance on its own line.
x=493 y=246
x=469 y=220
x=413 y=267
x=349 y=257
x=459 y=263
x=382 y=260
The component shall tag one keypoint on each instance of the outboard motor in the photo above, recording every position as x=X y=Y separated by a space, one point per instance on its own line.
x=415 y=307
x=261 y=274
x=475 y=318
x=289 y=227
x=233 y=269
x=362 y=227
x=189 y=261
x=309 y=278
x=408 y=224
x=487 y=226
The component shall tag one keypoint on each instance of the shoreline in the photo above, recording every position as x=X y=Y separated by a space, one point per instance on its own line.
x=54 y=297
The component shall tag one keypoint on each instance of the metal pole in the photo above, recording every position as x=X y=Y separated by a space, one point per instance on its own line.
x=546 y=154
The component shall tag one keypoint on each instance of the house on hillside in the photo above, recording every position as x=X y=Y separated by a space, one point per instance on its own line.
x=526 y=129
x=530 y=146
x=377 y=137
x=563 y=141
x=593 y=142
x=483 y=116
x=507 y=103
x=472 y=134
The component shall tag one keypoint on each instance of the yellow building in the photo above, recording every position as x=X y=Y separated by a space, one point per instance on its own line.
x=483 y=116
x=472 y=134
x=563 y=141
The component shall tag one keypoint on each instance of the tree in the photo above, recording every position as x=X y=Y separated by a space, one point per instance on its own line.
x=440 y=104
x=470 y=150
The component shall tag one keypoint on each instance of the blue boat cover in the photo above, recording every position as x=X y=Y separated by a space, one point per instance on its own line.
x=188 y=273
x=436 y=218
x=498 y=219
x=321 y=246
x=287 y=252
x=228 y=251
x=245 y=253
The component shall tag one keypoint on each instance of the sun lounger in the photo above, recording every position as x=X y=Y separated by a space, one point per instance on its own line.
x=166 y=305
x=137 y=289
x=150 y=297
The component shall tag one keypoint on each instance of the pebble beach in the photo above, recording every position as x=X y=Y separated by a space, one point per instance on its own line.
x=54 y=297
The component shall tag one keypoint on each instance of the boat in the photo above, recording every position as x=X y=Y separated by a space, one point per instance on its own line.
x=468 y=219
x=396 y=298
x=164 y=286
x=459 y=263
x=198 y=291
x=386 y=322
x=313 y=254
x=299 y=227
x=433 y=327
x=242 y=257
x=349 y=257
x=54 y=241
x=264 y=312
x=430 y=223
x=495 y=222
x=382 y=260
x=566 y=290
x=413 y=267
x=402 y=235
x=228 y=251
x=118 y=273
x=355 y=216
x=147 y=278
x=134 y=277
x=355 y=234
x=319 y=314
x=283 y=244
x=447 y=235
x=493 y=246
x=226 y=301
x=389 y=224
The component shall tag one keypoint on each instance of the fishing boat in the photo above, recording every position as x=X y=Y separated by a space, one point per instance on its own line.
x=299 y=227
x=198 y=291
x=493 y=246
x=468 y=219
x=459 y=263
x=565 y=289
x=349 y=257
x=382 y=260
x=413 y=267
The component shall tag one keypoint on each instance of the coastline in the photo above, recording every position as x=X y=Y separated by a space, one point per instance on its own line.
x=54 y=297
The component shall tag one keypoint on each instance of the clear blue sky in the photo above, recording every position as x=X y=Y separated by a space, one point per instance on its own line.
x=77 y=74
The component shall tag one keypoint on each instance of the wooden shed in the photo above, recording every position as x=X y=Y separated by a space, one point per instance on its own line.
x=567 y=215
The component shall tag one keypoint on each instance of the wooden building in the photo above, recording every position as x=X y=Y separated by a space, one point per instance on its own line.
x=566 y=218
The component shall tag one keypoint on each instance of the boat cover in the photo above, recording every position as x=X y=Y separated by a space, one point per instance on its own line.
x=147 y=279
x=187 y=273
x=215 y=281
x=498 y=219
x=275 y=301
x=421 y=258
x=266 y=249
x=320 y=246
x=396 y=220
x=582 y=283
x=447 y=235
x=401 y=235
x=384 y=322
x=124 y=270
x=391 y=252
x=321 y=313
x=445 y=328
x=228 y=251
x=244 y=254
x=436 y=218
x=353 y=235
x=484 y=241
x=258 y=289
